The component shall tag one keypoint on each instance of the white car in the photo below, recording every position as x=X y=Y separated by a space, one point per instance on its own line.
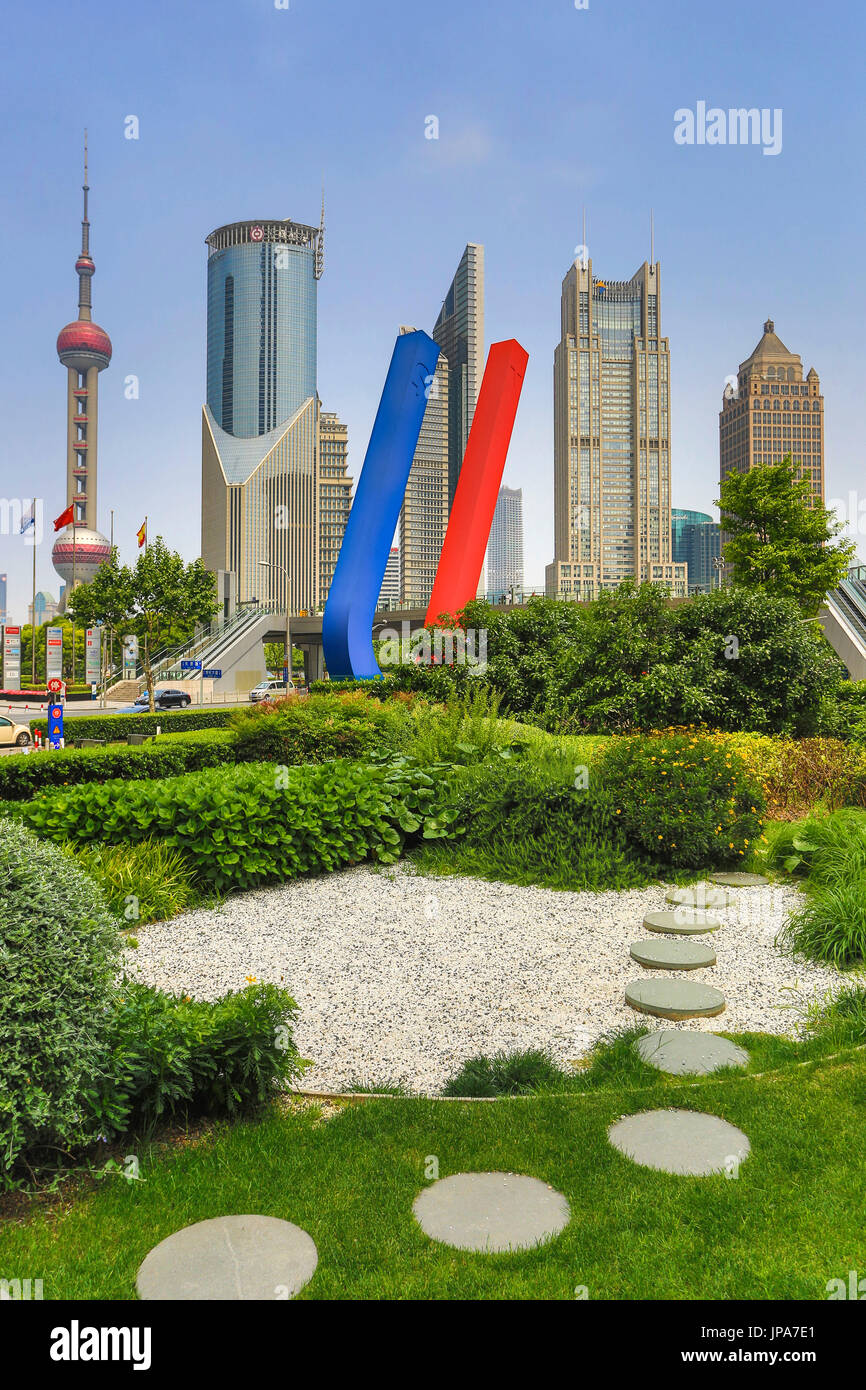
x=13 y=733
x=270 y=689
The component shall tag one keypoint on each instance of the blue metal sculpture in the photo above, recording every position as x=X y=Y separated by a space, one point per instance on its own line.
x=351 y=607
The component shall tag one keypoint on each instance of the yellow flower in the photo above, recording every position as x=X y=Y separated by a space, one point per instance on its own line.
x=251 y=979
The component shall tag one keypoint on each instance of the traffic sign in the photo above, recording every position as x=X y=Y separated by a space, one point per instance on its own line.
x=54 y=685
x=55 y=726
x=213 y=674
x=190 y=665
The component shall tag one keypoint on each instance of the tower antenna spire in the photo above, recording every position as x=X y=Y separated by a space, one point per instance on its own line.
x=652 y=237
x=320 y=240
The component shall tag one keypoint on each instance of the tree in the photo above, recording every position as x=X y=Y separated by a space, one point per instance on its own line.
x=159 y=599
x=778 y=542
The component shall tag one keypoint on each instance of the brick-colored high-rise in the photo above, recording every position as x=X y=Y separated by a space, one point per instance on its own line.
x=772 y=411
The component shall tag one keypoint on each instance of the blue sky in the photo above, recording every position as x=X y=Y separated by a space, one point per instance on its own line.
x=543 y=110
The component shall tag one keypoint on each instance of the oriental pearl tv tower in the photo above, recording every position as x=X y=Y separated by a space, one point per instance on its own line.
x=85 y=350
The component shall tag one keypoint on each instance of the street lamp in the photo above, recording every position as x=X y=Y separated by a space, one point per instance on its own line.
x=718 y=566
x=270 y=565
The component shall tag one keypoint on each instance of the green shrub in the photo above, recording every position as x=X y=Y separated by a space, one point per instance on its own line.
x=170 y=1053
x=145 y=882
x=526 y=821
x=830 y=850
x=251 y=824
x=517 y=1073
x=320 y=727
x=466 y=729
x=20 y=777
x=117 y=726
x=59 y=949
x=683 y=800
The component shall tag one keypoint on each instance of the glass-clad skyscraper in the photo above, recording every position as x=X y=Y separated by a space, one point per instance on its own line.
x=459 y=331
x=612 y=469
x=260 y=431
x=696 y=542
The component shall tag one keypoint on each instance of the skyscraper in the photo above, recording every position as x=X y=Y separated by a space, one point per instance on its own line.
x=85 y=350
x=389 y=594
x=696 y=543
x=335 y=495
x=260 y=426
x=424 y=513
x=773 y=411
x=612 y=482
x=459 y=331
x=505 y=551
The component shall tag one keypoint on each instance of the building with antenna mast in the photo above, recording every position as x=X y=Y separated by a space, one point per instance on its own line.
x=85 y=350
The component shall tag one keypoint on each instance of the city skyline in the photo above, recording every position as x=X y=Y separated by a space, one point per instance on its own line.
x=163 y=173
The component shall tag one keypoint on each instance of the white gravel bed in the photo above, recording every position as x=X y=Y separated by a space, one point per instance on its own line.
x=400 y=977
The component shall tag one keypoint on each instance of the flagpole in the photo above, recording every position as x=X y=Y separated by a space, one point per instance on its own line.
x=33 y=618
x=72 y=682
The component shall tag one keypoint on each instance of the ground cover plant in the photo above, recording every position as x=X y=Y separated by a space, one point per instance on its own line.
x=254 y=823
x=145 y=882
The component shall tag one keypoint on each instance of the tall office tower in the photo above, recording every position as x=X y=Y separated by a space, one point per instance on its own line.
x=424 y=513
x=85 y=350
x=773 y=411
x=260 y=486
x=389 y=594
x=505 y=551
x=459 y=331
x=612 y=483
x=335 y=495
x=46 y=609
x=696 y=542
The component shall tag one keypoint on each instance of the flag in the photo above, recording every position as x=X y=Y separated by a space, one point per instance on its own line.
x=64 y=519
x=142 y=534
x=30 y=519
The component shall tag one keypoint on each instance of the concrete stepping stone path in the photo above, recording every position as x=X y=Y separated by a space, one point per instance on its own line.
x=674 y=999
x=689 y=1054
x=666 y=953
x=686 y=1142
x=681 y=921
x=229 y=1257
x=491 y=1211
x=700 y=897
x=735 y=879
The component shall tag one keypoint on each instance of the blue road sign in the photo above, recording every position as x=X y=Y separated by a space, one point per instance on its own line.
x=55 y=726
x=190 y=665
x=213 y=674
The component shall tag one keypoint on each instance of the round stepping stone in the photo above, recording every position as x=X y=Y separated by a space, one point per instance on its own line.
x=681 y=921
x=680 y=1141
x=229 y=1257
x=689 y=1054
x=491 y=1211
x=674 y=998
x=700 y=897
x=735 y=879
x=672 y=955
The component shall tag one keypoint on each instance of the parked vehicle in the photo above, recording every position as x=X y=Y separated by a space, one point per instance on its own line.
x=270 y=689
x=162 y=699
x=11 y=733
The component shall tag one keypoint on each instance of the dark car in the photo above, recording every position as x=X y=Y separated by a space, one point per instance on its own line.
x=162 y=699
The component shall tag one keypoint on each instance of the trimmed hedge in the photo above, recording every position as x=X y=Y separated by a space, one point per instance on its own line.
x=319 y=728
x=22 y=776
x=247 y=825
x=117 y=726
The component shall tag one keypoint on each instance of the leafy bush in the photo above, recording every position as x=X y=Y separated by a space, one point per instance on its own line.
x=22 y=776
x=466 y=729
x=145 y=882
x=246 y=825
x=171 y=1053
x=526 y=821
x=59 y=949
x=517 y=1073
x=319 y=727
x=830 y=850
x=118 y=726
x=684 y=801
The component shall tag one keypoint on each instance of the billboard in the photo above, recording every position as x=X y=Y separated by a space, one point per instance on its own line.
x=54 y=653
x=93 y=655
x=11 y=658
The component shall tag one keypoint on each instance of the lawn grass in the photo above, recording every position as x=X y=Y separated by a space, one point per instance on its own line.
x=789 y=1222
